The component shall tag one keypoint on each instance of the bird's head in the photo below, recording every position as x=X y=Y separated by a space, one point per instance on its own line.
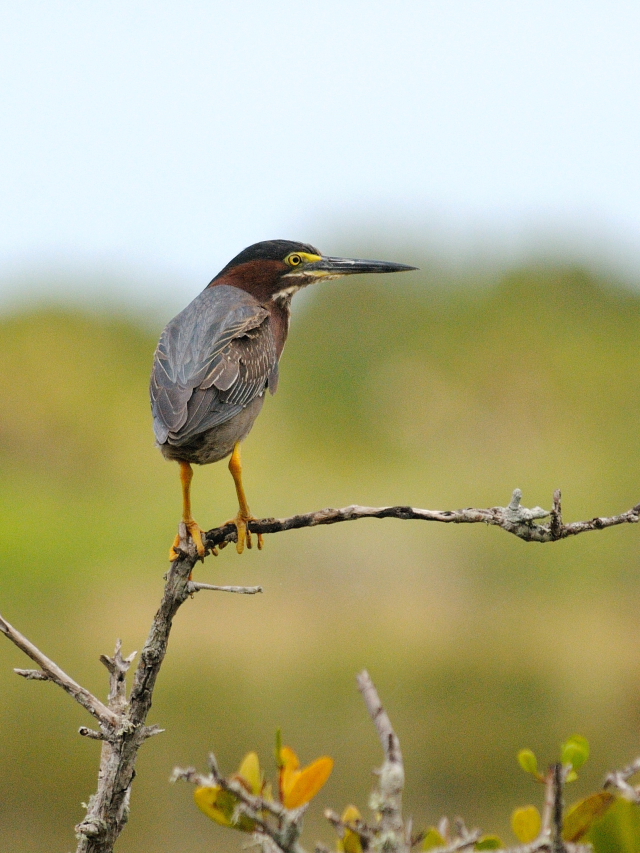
x=277 y=269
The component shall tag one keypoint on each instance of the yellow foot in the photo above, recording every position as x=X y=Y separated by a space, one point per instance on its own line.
x=244 y=534
x=195 y=531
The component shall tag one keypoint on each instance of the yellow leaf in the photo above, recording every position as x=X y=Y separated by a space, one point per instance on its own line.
x=249 y=773
x=351 y=841
x=307 y=782
x=206 y=799
x=581 y=816
x=220 y=806
x=289 y=758
x=433 y=839
x=526 y=824
x=351 y=815
x=289 y=764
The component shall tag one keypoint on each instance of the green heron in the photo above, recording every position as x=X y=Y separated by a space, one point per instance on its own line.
x=215 y=360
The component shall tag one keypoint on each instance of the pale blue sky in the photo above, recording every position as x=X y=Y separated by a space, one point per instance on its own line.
x=154 y=140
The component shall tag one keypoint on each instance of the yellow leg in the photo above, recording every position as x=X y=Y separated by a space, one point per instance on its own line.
x=195 y=531
x=244 y=513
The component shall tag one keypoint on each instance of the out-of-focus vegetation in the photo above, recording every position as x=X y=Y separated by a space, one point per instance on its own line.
x=392 y=391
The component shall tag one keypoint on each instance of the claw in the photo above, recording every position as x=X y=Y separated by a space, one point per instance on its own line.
x=195 y=531
x=241 y=522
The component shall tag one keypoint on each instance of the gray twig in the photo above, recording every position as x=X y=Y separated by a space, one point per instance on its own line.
x=557 y=776
x=241 y=590
x=620 y=779
x=393 y=836
x=90 y=733
x=52 y=672
x=514 y=518
x=32 y=674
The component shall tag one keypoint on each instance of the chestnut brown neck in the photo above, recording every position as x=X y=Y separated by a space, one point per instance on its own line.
x=262 y=279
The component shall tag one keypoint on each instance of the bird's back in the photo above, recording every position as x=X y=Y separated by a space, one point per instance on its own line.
x=213 y=359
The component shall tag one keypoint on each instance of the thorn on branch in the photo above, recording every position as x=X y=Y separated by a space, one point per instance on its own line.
x=150 y=731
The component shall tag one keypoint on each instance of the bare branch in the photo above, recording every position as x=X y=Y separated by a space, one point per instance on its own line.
x=123 y=722
x=620 y=779
x=359 y=827
x=108 y=809
x=513 y=518
x=388 y=800
x=32 y=674
x=242 y=590
x=52 y=672
x=388 y=738
x=90 y=733
x=190 y=774
x=557 y=775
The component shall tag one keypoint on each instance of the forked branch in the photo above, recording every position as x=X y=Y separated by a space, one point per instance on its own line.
x=514 y=518
x=122 y=724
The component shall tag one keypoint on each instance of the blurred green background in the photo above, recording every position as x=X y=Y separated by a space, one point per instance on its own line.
x=434 y=389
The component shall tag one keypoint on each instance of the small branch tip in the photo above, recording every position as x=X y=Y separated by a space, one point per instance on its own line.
x=32 y=674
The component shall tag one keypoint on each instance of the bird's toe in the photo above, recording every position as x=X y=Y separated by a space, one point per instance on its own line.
x=196 y=533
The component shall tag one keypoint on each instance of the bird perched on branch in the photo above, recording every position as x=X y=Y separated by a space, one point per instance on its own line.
x=215 y=360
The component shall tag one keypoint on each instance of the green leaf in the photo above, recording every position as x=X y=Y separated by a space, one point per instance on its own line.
x=526 y=824
x=278 y=748
x=582 y=815
x=575 y=751
x=433 y=839
x=528 y=761
x=618 y=831
x=489 y=842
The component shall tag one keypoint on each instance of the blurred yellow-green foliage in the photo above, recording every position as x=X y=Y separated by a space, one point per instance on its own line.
x=393 y=390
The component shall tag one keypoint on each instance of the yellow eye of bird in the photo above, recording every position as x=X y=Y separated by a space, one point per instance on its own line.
x=294 y=260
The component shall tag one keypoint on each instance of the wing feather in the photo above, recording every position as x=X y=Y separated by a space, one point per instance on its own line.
x=212 y=359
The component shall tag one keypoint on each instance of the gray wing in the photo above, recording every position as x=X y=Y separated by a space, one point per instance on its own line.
x=212 y=359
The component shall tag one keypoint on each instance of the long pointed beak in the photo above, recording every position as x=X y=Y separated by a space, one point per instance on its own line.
x=329 y=267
